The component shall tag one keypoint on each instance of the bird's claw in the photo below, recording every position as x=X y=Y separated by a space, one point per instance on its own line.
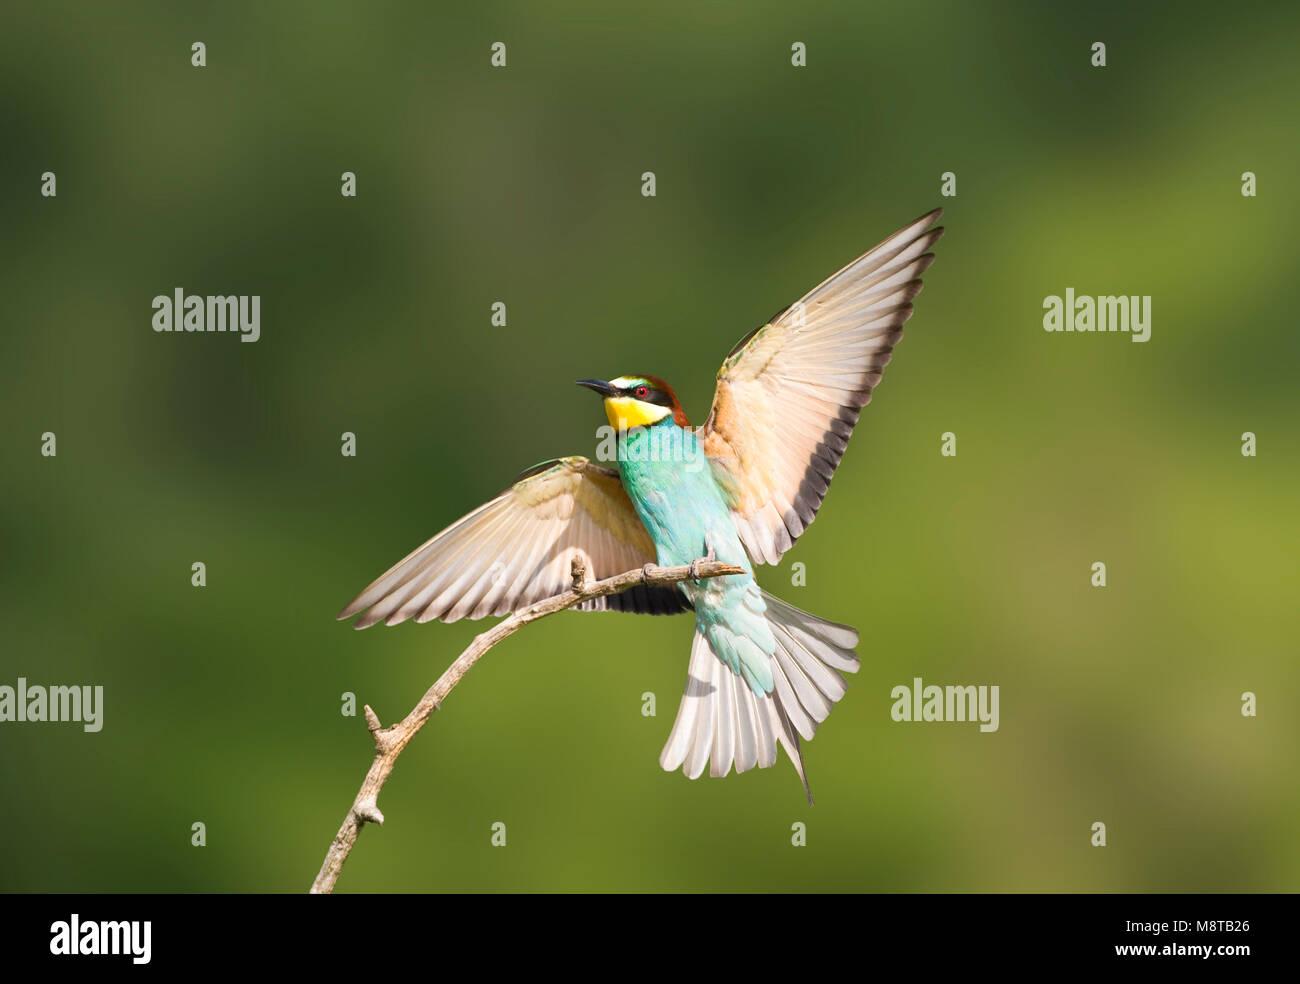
x=709 y=558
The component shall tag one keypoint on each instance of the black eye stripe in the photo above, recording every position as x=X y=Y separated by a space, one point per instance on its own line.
x=653 y=395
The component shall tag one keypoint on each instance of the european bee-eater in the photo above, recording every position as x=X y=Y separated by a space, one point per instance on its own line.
x=742 y=488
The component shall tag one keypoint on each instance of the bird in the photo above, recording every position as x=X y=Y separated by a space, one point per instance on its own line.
x=740 y=489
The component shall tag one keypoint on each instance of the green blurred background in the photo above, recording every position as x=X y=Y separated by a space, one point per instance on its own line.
x=522 y=185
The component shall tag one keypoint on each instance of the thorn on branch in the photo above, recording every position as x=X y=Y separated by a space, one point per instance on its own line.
x=372 y=722
x=368 y=812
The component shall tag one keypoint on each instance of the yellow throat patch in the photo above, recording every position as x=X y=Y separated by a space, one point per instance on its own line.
x=624 y=412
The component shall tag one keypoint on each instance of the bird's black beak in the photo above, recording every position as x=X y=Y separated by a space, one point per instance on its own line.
x=599 y=385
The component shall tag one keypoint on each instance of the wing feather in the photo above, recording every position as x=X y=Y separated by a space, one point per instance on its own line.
x=790 y=393
x=517 y=549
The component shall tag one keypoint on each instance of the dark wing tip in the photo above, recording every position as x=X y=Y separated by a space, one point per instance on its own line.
x=745 y=341
x=537 y=469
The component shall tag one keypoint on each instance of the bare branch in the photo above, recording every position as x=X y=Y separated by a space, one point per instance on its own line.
x=390 y=741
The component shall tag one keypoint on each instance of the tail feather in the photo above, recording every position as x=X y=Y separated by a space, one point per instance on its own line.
x=722 y=722
x=698 y=689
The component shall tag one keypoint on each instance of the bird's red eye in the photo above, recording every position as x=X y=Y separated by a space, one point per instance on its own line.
x=642 y=392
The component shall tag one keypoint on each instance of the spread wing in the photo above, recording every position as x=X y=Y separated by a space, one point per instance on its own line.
x=790 y=392
x=517 y=549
